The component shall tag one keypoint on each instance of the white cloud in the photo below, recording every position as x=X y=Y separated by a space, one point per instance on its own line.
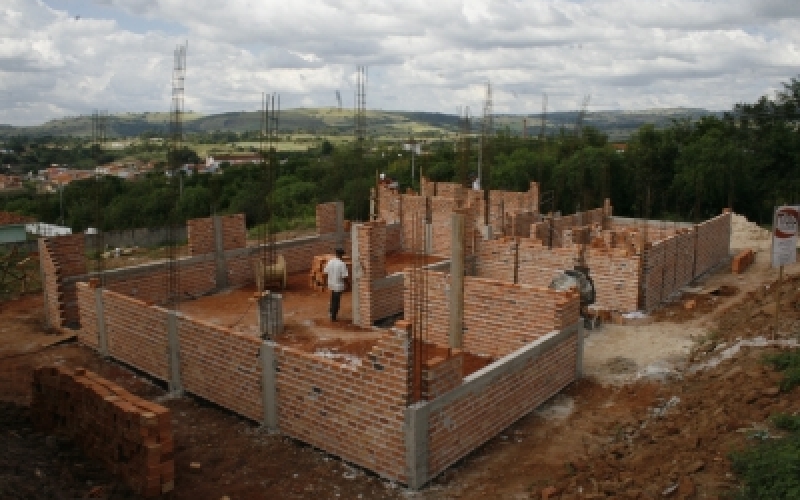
x=422 y=55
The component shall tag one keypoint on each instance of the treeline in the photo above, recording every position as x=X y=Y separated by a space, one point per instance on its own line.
x=747 y=160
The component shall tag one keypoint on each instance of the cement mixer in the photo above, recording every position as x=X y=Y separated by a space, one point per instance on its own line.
x=274 y=274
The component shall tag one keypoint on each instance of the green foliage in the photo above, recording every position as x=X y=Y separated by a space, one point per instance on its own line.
x=789 y=363
x=770 y=470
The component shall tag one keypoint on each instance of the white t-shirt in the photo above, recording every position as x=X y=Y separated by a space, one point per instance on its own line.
x=337 y=272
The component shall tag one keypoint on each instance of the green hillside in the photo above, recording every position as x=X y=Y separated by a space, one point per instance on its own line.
x=619 y=125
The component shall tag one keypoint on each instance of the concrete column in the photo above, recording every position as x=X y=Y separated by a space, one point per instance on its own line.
x=372 y=204
x=219 y=253
x=102 y=337
x=270 y=314
x=486 y=232
x=428 y=245
x=355 y=280
x=415 y=430
x=456 y=325
x=175 y=383
x=269 y=368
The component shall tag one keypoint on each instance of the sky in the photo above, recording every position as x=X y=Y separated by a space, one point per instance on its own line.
x=69 y=57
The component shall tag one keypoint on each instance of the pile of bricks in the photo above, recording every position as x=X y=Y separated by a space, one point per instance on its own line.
x=742 y=261
x=132 y=436
x=318 y=279
x=12 y=218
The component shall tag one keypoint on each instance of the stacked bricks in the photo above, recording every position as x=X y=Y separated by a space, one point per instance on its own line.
x=326 y=218
x=464 y=424
x=61 y=257
x=132 y=436
x=201 y=233
x=499 y=317
x=352 y=410
x=742 y=261
x=317 y=277
x=440 y=375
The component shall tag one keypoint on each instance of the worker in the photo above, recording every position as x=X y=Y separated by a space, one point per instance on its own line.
x=337 y=272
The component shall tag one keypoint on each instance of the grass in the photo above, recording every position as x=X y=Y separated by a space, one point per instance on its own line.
x=770 y=470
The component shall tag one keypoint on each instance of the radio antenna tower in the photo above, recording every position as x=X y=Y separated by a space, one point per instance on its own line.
x=361 y=108
x=174 y=172
x=543 y=126
x=485 y=159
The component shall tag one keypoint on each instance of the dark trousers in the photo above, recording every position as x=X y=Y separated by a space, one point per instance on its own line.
x=336 y=298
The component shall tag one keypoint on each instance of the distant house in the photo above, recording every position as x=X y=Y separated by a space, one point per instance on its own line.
x=10 y=181
x=214 y=161
x=619 y=147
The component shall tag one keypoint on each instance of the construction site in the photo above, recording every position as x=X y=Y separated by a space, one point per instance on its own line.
x=486 y=348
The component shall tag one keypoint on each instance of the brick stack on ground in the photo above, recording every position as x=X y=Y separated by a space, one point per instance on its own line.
x=130 y=435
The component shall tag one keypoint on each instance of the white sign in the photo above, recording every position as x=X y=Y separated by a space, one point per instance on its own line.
x=784 y=235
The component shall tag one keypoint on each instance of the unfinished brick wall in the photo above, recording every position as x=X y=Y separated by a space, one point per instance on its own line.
x=221 y=365
x=352 y=410
x=460 y=426
x=414 y=210
x=327 y=218
x=201 y=233
x=61 y=257
x=499 y=317
x=12 y=218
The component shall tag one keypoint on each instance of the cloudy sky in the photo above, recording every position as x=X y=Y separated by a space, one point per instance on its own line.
x=67 y=57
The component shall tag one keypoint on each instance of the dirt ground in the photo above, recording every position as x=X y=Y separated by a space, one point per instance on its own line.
x=662 y=406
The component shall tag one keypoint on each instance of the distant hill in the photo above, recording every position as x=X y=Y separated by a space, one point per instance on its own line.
x=619 y=125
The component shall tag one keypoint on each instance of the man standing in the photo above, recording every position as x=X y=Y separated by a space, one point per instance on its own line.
x=337 y=272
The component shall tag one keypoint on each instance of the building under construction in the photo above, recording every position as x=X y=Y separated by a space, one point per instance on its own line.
x=449 y=333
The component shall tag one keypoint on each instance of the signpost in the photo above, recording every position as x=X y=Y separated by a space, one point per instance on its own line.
x=784 y=246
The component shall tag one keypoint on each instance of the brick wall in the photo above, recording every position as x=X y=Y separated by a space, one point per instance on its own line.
x=87 y=309
x=496 y=259
x=137 y=333
x=354 y=411
x=61 y=257
x=440 y=375
x=538 y=264
x=616 y=277
x=201 y=233
x=372 y=262
x=461 y=425
x=713 y=242
x=326 y=218
x=221 y=365
x=499 y=317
